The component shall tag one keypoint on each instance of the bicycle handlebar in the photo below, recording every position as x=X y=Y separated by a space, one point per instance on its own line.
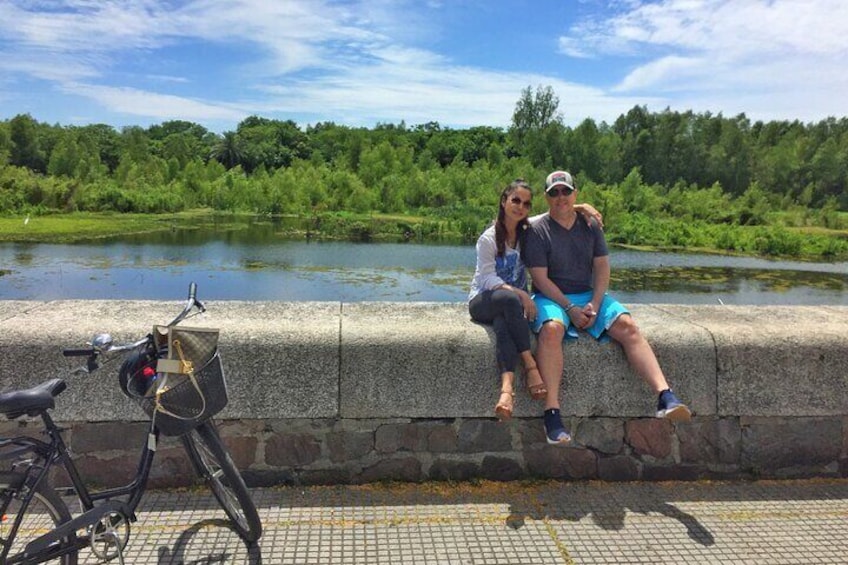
x=78 y=352
x=92 y=352
x=191 y=303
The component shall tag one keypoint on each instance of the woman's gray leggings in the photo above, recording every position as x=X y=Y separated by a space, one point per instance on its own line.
x=502 y=309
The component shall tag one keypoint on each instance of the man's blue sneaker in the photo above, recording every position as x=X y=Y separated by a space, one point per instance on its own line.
x=554 y=430
x=670 y=407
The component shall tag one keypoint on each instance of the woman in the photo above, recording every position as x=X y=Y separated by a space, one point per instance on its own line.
x=499 y=294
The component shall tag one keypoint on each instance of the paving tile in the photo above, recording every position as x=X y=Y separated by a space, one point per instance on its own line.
x=487 y=523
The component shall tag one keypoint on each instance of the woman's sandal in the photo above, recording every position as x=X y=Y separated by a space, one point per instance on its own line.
x=503 y=409
x=537 y=388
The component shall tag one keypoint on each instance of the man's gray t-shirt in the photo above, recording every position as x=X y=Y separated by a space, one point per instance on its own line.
x=567 y=253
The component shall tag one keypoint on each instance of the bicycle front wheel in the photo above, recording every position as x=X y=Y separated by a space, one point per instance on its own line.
x=46 y=511
x=212 y=462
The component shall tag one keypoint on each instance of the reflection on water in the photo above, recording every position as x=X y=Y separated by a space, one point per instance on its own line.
x=256 y=264
x=722 y=279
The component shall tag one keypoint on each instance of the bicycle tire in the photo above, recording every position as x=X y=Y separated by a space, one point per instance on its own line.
x=213 y=463
x=46 y=511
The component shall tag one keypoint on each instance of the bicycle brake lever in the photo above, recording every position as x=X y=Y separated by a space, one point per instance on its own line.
x=91 y=364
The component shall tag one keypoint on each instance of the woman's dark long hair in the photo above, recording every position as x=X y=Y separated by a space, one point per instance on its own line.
x=500 y=226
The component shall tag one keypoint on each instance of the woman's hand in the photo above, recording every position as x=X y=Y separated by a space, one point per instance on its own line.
x=589 y=212
x=528 y=305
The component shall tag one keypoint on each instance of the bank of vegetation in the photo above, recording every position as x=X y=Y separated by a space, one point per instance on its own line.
x=670 y=179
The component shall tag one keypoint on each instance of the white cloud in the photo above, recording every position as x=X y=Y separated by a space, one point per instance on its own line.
x=150 y=104
x=666 y=70
x=420 y=86
x=50 y=68
x=362 y=61
x=358 y=65
x=729 y=55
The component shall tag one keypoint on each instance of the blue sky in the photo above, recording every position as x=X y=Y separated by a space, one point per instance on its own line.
x=461 y=63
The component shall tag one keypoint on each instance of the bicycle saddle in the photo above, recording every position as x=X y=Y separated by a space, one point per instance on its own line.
x=31 y=401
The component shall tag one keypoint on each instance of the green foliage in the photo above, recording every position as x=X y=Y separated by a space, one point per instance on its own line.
x=26 y=148
x=537 y=128
x=672 y=179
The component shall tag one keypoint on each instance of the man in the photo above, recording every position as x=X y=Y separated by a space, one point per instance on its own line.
x=569 y=264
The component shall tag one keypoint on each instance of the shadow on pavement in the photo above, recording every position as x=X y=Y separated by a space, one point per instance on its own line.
x=209 y=542
x=605 y=504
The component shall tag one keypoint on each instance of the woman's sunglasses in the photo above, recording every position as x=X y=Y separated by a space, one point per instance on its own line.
x=526 y=203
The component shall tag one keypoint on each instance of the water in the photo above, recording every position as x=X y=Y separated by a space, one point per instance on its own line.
x=234 y=266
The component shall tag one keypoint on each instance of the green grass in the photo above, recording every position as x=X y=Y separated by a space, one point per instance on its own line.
x=79 y=226
x=75 y=227
x=815 y=243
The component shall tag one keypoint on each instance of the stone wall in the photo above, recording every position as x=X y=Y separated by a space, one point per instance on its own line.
x=349 y=393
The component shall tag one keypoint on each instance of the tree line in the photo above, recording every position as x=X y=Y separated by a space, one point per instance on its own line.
x=644 y=167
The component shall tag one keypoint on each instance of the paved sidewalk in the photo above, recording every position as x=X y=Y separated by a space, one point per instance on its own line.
x=768 y=522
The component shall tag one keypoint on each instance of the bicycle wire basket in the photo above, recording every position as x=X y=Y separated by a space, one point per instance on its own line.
x=184 y=385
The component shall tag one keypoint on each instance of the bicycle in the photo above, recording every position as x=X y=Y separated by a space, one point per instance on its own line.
x=37 y=526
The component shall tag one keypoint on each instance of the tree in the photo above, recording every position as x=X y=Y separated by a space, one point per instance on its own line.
x=636 y=132
x=828 y=171
x=180 y=146
x=272 y=143
x=535 y=114
x=585 y=150
x=26 y=151
x=5 y=145
x=65 y=158
x=172 y=127
x=728 y=159
x=228 y=151
x=104 y=140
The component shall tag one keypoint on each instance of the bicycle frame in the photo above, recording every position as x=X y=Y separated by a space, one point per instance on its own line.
x=102 y=512
x=55 y=452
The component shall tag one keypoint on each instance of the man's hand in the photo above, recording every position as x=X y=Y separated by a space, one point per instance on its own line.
x=584 y=317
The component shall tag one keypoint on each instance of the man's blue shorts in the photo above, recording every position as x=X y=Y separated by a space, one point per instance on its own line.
x=547 y=310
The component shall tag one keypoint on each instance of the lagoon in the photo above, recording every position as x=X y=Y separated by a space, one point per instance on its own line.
x=236 y=266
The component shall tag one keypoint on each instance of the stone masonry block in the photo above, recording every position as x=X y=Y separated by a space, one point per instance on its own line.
x=402 y=469
x=442 y=438
x=480 y=436
x=599 y=382
x=453 y=470
x=107 y=436
x=331 y=476
x=391 y=437
x=778 y=360
x=603 y=434
x=651 y=437
x=501 y=468
x=673 y=472
x=347 y=446
x=772 y=444
x=561 y=462
x=768 y=386
x=710 y=440
x=171 y=468
x=388 y=368
x=618 y=468
x=845 y=436
x=291 y=450
x=274 y=363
